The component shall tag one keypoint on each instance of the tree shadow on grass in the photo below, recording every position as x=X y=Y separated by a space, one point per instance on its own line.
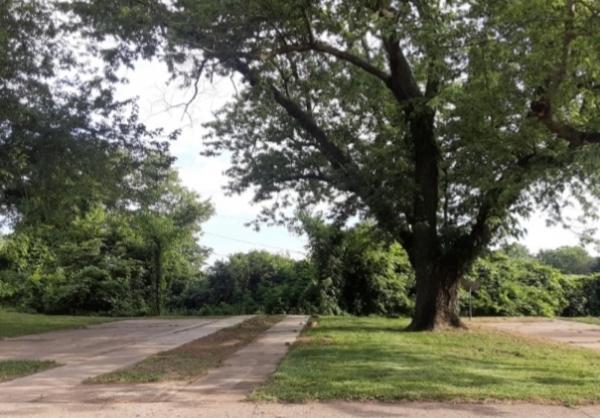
x=379 y=373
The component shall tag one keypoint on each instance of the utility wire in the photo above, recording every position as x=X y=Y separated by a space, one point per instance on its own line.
x=253 y=243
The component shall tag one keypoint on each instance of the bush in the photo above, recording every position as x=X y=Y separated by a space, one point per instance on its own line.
x=249 y=283
x=582 y=294
x=515 y=287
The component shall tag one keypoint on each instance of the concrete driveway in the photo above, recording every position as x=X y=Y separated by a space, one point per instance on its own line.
x=95 y=350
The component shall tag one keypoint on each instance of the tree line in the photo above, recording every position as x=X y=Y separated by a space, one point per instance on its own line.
x=105 y=266
x=94 y=215
x=445 y=123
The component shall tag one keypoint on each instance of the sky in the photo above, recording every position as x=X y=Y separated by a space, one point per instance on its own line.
x=226 y=232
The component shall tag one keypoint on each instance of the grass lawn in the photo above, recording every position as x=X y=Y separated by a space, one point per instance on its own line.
x=193 y=359
x=586 y=319
x=11 y=369
x=13 y=324
x=372 y=358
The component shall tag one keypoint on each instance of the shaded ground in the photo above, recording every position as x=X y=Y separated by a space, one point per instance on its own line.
x=221 y=393
x=564 y=331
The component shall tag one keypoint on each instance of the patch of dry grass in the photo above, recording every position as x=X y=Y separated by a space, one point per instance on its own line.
x=191 y=360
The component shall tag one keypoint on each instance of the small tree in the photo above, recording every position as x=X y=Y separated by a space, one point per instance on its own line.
x=366 y=276
x=441 y=120
x=167 y=217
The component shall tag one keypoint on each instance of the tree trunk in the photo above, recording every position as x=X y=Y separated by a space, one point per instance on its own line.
x=157 y=279
x=437 y=300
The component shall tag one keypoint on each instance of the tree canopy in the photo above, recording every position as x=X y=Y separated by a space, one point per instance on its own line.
x=570 y=260
x=96 y=214
x=443 y=121
x=64 y=138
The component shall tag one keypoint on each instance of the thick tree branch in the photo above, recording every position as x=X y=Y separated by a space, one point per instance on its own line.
x=318 y=46
x=542 y=108
x=494 y=203
x=402 y=82
x=340 y=161
x=430 y=20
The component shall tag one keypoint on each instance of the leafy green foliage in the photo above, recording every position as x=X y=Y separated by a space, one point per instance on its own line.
x=99 y=221
x=569 y=260
x=362 y=274
x=583 y=295
x=444 y=121
x=104 y=261
x=253 y=282
x=515 y=287
x=348 y=271
x=65 y=141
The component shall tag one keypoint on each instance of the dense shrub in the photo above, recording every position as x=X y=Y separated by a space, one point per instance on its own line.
x=515 y=287
x=98 y=264
x=253 y=282
x=348 y=271
x=582 y=294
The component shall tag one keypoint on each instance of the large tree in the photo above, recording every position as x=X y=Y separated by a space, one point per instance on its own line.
x=442 y=120
x=66 y=141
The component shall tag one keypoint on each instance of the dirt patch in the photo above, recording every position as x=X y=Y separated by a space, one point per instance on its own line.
x=305 y=410
x=566 y=332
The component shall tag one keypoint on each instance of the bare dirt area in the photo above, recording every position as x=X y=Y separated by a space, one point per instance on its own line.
x=557 y=330
x=306 y=410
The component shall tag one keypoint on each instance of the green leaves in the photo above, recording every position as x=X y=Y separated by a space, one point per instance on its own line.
x=446 y=122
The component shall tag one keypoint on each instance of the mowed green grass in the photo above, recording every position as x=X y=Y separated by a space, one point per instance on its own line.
x=13 y=324
x=586 y=320
x=373 y=358
x=11 y=369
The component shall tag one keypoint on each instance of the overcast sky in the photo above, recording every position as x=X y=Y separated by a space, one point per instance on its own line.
x=226 y=233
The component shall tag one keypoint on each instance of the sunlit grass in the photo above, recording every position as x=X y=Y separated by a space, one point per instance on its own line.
x=12 y=369
x=586 y=320
x=373 y=358
x=13 y=324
